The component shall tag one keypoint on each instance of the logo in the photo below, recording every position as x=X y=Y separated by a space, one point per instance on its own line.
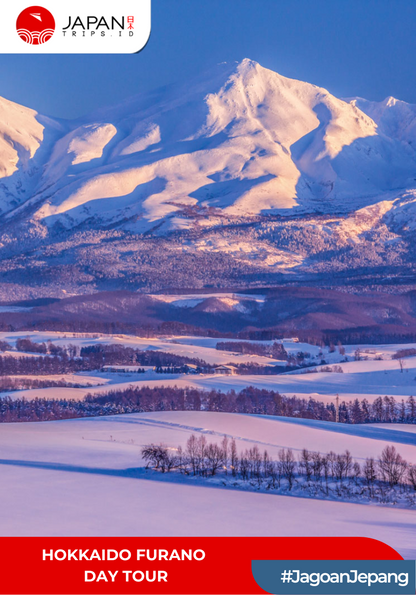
x=99 y=26
x=35 y=25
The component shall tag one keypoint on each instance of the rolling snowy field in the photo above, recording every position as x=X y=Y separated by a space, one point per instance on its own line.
x=376 y=374
x=86 y=477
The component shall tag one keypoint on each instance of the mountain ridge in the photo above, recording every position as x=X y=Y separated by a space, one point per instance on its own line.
x=252 y=175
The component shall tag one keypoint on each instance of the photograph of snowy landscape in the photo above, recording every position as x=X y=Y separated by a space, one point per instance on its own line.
x=208 y=287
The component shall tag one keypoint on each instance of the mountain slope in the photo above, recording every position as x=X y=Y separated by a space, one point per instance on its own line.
x=239 y=176
x=395 y=118
x=25 y=142
x=244 y=140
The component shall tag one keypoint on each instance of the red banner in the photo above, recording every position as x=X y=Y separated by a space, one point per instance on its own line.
x=174 y=565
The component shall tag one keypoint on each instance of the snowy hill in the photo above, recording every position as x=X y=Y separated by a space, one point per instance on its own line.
x=63 y=477
x=240 y=143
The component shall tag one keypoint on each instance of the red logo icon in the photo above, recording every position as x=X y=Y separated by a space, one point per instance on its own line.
x=35 y=25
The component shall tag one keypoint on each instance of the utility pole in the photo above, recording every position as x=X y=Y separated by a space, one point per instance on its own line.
x=337 y=409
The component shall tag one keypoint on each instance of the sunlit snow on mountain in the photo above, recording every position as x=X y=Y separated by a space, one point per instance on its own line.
x=240 y=165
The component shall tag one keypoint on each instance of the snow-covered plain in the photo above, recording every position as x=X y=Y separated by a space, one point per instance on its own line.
x=85 y=477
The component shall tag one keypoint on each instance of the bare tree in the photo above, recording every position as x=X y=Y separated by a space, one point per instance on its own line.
x=244 y=466
x=160 y=457
x=317 y=466
x=341 y=349
x=192 y=450
x=411 y=476
x=332 y=457
x=215 y=457
x=233 y=458
x=343 y=466
x=201 y=444
x=305 y=463
x=326 y=471
x=392 y=467
x=356 y=472
x=370 y=474
x=267 y=465
x=225 y=449
x=255 y=459
x=288 y=465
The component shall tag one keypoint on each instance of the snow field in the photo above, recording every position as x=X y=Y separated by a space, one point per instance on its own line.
x=83 y=477
x=369 y=378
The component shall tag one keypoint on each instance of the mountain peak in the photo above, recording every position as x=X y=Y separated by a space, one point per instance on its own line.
x=239 y=140
x=390 y=101
x=247 y=65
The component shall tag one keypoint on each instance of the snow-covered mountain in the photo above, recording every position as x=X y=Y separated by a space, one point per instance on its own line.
x=242 y=139
x=238 y=144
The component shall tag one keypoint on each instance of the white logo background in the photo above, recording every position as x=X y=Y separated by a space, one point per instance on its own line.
x=111 y=43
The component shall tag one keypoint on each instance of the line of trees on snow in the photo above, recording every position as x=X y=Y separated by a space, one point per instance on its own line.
x=60 y=360
x=407 y=352
x=274 y=350
x=250 y=400
x=389 y=478
x=43 y=365
x=119 y=354
x=53 y=359
x=24 y=383
x=374 y=335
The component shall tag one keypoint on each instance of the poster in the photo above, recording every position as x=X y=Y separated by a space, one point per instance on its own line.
x=207 y=296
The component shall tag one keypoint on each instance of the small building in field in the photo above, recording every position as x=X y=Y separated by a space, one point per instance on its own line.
x=227 y=370
x=191 y=369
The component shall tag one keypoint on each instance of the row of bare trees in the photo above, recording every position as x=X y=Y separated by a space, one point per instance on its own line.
x=52 y=359
x=23 y=383
x=387 y=478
